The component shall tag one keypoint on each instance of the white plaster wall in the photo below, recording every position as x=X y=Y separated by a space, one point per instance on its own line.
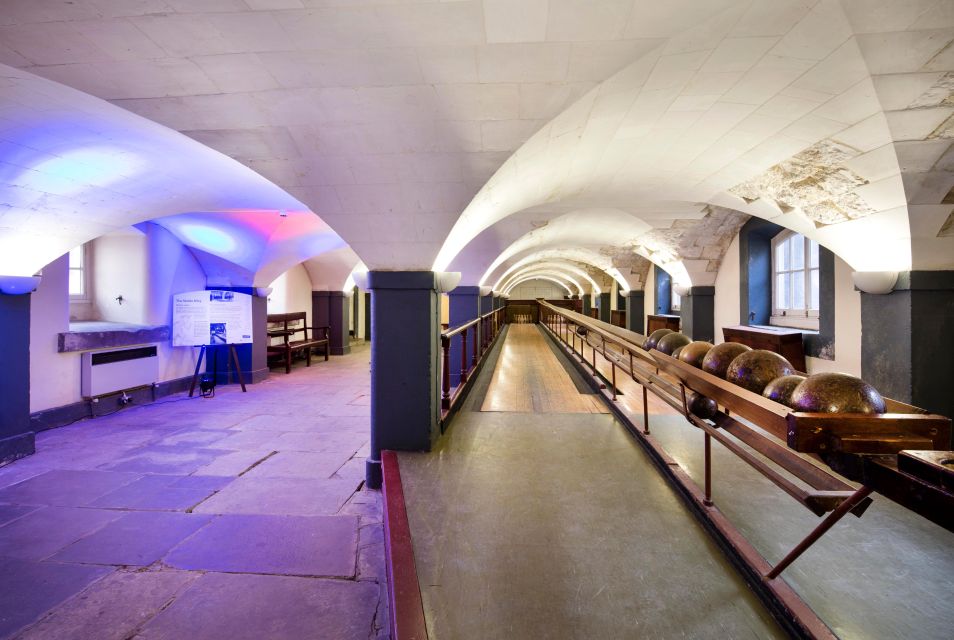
x=54 y=377
x=291 y=293
x=359 y=321
x=157 y=267
x=614 y=293
x=445 y=310
x=847 y=313
x=533 y=289
x=727 y=294
x=121 y=270
x=171 y=269
x=847 y=326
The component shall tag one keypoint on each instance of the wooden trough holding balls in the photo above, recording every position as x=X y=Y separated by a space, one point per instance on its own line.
x=783 y=423
x=838 y=417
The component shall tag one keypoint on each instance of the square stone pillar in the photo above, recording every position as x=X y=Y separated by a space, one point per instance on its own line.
x=16 y=437
x=635 y=310
x=698 y=313
x=405 y=364
x=604 y=305
x=907 y=340
x=332 y=309
x=587 y=303
x=464 y=305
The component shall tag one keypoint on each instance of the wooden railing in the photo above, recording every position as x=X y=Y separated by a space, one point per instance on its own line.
x=776 y=446
x=483 y=331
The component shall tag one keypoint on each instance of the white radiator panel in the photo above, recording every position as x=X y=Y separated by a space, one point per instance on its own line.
x=110 y=371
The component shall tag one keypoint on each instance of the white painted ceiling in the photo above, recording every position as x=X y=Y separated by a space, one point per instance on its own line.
x=444 y=134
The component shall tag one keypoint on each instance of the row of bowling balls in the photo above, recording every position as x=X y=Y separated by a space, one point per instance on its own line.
x=769 y=374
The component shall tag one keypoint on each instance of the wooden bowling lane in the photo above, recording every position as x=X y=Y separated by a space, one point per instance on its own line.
x=528 y=378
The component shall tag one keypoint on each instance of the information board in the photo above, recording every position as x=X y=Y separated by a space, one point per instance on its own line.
x=211 y=317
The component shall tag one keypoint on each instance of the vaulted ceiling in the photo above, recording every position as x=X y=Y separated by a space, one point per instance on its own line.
x=476 y=135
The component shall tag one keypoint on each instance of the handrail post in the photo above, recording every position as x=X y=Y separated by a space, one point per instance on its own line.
x=445 y=395
x=463 y=356
x=474 y=357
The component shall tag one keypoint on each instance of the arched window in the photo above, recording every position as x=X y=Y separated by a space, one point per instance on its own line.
x=795 y=281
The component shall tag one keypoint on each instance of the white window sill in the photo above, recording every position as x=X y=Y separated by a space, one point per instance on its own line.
x=795 y=322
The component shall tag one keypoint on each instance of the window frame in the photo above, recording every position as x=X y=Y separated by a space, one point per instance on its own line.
x=84 y=270
x=675 y=300
x=805 y=318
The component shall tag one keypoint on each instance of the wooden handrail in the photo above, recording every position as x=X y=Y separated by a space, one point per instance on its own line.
x=487 y=327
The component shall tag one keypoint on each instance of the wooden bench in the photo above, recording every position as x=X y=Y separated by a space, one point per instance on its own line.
x=287 y=326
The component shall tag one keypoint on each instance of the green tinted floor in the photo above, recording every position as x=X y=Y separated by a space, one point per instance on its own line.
x=558 y=526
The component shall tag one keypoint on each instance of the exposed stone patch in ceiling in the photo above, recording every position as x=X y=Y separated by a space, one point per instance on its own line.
x=941 y=94
x=947 y=229
x=629 y=263
x=695 y=240
x=944 y=131
x=816 y=181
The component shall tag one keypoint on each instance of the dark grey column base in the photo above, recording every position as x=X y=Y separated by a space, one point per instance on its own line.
x=16 y=447
x=249 y=377
x=339 y=351
x=373 y=476
x=907 y=340
x=635 y=311
x=698 y=313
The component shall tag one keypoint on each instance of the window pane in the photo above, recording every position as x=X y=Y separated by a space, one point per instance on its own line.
x=676 y=299
x=798 y=252
x=798 y=290
x=781 y=291
x=76 y=258
x=781 y=256
x=813 y=254
x=814 y=296
x=76 y=282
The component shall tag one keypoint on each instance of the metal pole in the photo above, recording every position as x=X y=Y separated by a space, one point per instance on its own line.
x=463 y=356
x=708 y=500
x=819 y=531
x=613 y=363
x=645 y=411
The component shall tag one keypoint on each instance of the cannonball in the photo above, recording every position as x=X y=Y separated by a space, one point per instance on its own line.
x=675 y=354
x=701 y=406
x=720 y=356
x=672 y=341
x=753 y=370
x=836 y=393
x=694 y=352
x=780 y=389
x=653 y=338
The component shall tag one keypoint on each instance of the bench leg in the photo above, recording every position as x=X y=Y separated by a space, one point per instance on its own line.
x=287 y=361
x=307 y=356
x=327 y=349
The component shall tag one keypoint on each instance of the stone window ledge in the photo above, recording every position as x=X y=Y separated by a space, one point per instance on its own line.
x=87 y=336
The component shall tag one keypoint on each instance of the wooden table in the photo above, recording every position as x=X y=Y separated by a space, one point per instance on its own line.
x=784 y=341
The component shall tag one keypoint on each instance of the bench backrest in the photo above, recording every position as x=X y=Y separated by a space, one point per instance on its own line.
x=289 y=321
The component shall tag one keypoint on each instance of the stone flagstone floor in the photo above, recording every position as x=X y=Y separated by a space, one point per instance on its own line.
x=241 y=516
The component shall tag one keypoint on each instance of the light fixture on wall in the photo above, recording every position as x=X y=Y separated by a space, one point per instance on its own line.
x=447 y=280
x=875 y=282
x=680 y=289
x=18 y=285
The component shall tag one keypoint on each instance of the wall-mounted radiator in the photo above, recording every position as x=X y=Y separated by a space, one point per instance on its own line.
x=109 y=371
